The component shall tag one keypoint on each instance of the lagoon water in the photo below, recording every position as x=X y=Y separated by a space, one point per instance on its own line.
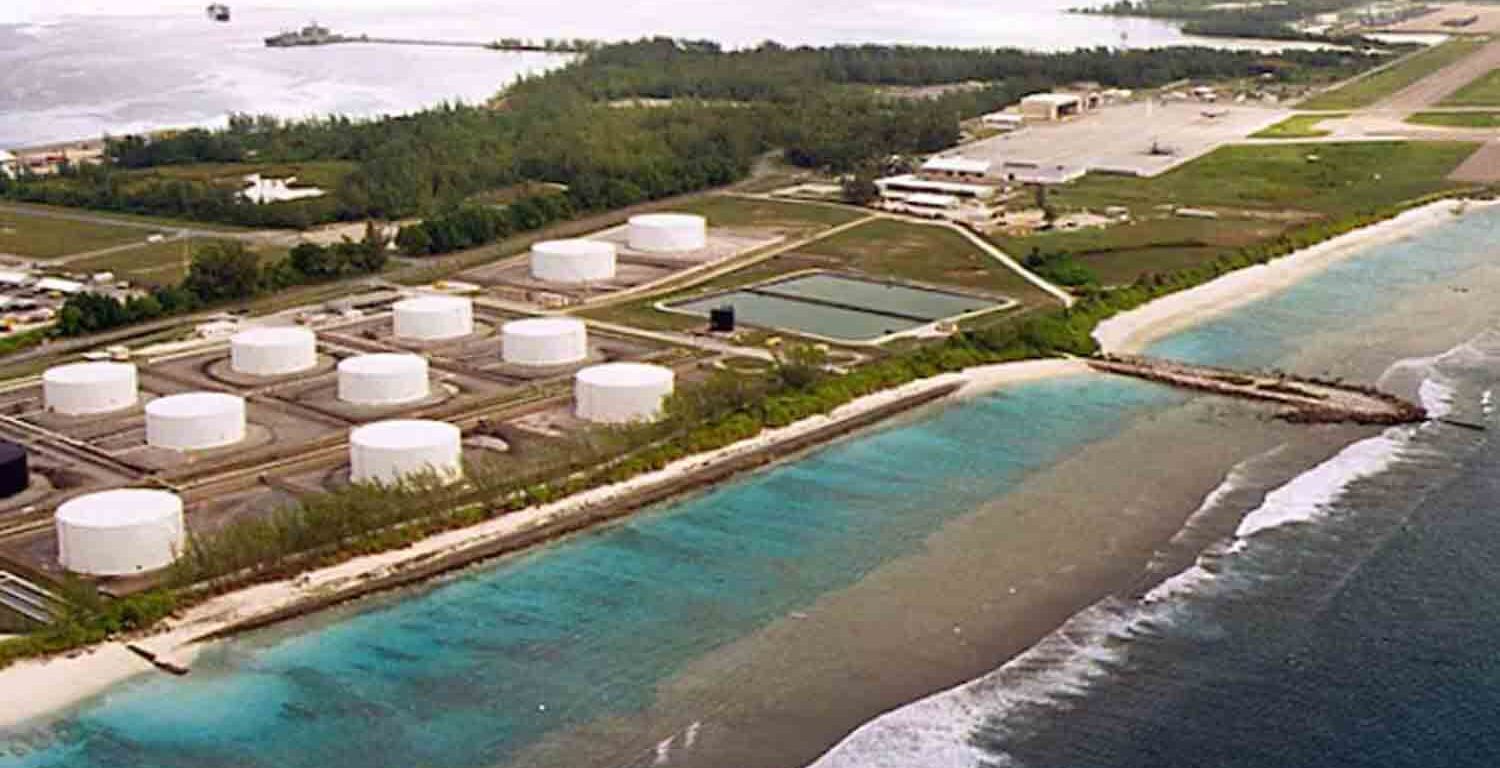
x=1339 y=618
x=76 y=69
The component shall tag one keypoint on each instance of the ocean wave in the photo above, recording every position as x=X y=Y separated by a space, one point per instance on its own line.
x=935 y=732
x=939 y=731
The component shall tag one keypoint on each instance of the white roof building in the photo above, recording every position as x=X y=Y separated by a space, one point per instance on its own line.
x=929 y=200
x=1053 y=99
x=912 y=184
x=960 y=166
x=1004 y=119
x=58 y=285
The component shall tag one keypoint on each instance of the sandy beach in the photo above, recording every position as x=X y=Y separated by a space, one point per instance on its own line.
x=73 y=678
x=65 y=681
x=1130 y=332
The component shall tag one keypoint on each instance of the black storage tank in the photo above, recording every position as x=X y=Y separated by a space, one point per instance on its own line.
x=721 y=319
x=15 y=474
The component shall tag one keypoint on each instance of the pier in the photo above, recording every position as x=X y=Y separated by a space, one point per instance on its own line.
x=1304 y=400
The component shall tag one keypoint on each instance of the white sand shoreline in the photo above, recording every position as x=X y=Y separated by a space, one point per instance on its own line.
x=58 y=683
x=1130 y=332
x=55 y=684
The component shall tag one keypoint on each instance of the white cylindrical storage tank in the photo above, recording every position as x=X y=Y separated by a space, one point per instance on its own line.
x=617 y=393
x=79 y=389
x=544 y=341
x=668 y=232
x=383 y=379
x=389 y=451
x=573 y=261
x=195 y=421
x=431 y=318
x=273 y=351
x=119 y=533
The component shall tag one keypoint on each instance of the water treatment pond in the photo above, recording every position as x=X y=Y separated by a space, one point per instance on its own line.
x=839 y=308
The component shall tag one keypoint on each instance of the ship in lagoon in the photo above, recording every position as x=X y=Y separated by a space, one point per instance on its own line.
x=312 y=34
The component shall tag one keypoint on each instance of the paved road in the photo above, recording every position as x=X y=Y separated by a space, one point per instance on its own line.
x=1439 y=85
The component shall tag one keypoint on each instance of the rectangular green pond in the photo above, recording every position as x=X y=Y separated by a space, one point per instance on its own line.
x=838 y=307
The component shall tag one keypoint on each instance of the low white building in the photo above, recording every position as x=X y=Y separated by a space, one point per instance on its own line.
x=1049 y=107
x=1022 y=172
x=59 y=285
x=10 y=165
x=1004 y=121
x=957 y=168
x=930 y=205
x=908 y=184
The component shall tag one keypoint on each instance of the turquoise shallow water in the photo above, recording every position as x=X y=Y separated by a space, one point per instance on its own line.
x=472 y=671
x=1362 y=634
x=460 y=675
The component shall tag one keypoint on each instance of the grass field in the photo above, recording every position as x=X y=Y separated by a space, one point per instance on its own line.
x=1483 y=91
x=1328 y=179
x=1457 y=119
x=1297 y=127
x=324 y=174
x=156 y=264
x=1118 y=255
x=925 y=254
x=726 y=211
x=1259 y=191
x=915 y=252
x=155 y=222
x=39 y=237
x=1368 y=90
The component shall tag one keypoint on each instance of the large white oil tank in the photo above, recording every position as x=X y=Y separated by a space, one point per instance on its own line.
x=668 y=232
x=273 y=351
x=544 y=341
x=573 y=261
x=80 y=389
x=119 y=533
x=383 y=379
x=195 y=421
x=389 y=451
x=432 y=318
x=617 y=393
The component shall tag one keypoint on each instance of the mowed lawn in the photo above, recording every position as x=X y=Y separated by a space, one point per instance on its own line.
x=921 y=253
x=1368 y=90
x=1327 y=179
x=1119 y=254
x=1483 y=91
x=157 y=264
x=1457 y=119
x=1258 y=191
x=883 y=247
x=1298 y=127
x=40 y=237
x=728 y=211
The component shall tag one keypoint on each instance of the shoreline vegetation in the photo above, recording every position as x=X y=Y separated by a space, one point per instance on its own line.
x=717 y=112
x=818 y=107
x=177 y=639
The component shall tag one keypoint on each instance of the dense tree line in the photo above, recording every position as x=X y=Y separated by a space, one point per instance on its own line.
x=1282 y=13
x=821 y=106
x=221 y=272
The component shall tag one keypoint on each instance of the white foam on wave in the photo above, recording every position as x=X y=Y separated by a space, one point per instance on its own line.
x=1311 y=493
x=935 y=732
